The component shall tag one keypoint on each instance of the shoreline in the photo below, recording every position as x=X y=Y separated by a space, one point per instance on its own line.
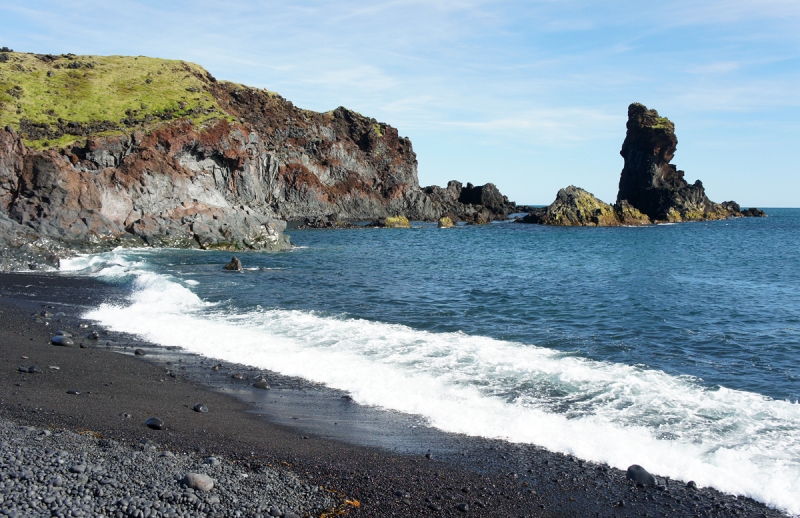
x=508 y=479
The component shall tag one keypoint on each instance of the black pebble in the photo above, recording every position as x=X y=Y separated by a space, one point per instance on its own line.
x=74 y=392
x=64 y=333
x=93 y=335
x=691 y=485
x=237 y=376
x=434 y=507
x=139 y=352
x=463 y=507
x=155 y=423
x=63 y=341
x=261 y=385
x=200 y=407
x=33 y=369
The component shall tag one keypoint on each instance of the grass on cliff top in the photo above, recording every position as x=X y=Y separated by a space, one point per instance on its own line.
x=91 y=89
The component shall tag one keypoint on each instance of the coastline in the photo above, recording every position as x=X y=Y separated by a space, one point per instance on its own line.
x=508 y=479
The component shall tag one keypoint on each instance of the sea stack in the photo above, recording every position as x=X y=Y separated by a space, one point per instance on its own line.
x=651 y=184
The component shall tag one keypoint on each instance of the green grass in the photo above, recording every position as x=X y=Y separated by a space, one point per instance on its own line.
x=90 y=89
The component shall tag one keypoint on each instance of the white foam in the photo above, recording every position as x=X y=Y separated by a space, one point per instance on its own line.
x=738 y=442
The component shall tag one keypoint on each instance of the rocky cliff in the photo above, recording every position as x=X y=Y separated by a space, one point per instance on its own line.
x=104 y=151
x=651 y=190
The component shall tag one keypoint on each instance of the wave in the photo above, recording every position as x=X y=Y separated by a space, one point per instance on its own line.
x=738 y=442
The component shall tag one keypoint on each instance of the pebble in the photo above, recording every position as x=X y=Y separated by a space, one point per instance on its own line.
x=237 y=376
x=211 y=461
x=74 y=392
x=691 y=485
x=63 y=341
x=139 y=352
x=434 y=507
x=463 y=507
x=200 y=407
x=154 y=423
x=33 y=369
x=63 y=333
x=93 y=336
x=261 y=384
x=67 y=474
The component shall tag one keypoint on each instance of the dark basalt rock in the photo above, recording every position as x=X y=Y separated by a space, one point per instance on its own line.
x=235 y=265
x=63 y=341
x=154 y=423
x=641 y=476
x=651 y=184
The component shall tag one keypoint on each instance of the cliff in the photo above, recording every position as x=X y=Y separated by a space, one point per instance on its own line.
x=100 y=151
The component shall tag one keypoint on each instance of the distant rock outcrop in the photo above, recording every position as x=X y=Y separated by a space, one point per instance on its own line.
x=575 y=207
x=654 y=186
x=651 y=190
x=472 y=204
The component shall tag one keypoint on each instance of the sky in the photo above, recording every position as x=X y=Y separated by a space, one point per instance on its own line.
x=529 y=95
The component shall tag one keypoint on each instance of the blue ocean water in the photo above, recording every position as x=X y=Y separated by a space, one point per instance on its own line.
x=676 y=344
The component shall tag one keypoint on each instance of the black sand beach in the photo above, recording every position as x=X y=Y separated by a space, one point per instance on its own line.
x=370 y=458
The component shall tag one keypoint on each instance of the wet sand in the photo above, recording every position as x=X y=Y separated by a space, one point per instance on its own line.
x=366 y=455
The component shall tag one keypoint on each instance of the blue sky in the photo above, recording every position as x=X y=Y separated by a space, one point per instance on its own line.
x=530 y=95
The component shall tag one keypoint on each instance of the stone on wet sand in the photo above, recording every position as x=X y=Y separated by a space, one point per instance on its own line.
x=74 y=392
x=33 y=369
x=63 y=341
x=235 y=265
x=64 y=333
x=154 y=423
x=639 y=475
x=198 y=481
x=261 y=384
x=200 y=407
x=140 y=352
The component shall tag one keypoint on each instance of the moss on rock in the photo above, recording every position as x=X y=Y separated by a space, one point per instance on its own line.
x=396 y=222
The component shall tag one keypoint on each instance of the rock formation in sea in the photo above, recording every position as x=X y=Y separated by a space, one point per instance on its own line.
x=651 y=189
x=105 y=151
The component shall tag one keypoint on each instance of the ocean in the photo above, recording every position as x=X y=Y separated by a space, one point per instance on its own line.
x=671 y=346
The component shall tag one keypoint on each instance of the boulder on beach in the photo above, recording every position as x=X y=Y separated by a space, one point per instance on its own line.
x=639 y=475
x=198 y=481
x=235 y=265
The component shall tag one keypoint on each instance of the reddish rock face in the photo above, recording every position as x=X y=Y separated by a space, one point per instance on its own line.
x=225 y=185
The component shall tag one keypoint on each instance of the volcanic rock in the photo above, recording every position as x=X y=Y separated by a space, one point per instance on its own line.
x=445 y=222
x=573 y=207
x=396 y=222
x=154 y=423
x=234 y=265
x=198 y=481
x=63 y=341
x=639 y=475
x=654 y=186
